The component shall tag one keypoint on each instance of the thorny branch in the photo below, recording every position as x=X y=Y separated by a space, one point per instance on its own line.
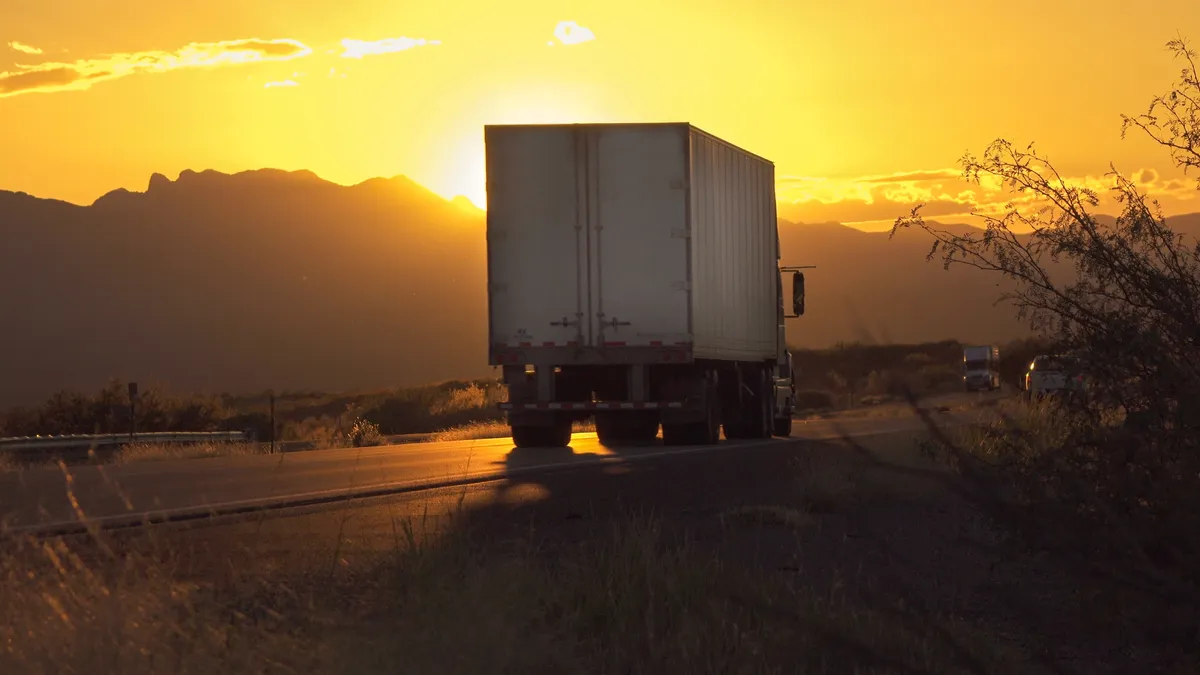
x=1121 y=296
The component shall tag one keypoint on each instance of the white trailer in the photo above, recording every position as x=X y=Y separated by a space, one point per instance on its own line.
x=633 y=275
x=981 y=368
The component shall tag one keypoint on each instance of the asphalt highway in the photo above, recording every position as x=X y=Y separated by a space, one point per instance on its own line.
x=45 y=499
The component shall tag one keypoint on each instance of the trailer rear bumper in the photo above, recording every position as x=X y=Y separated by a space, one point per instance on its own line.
x=594 y=405
x=609 y=354
x=666 y=412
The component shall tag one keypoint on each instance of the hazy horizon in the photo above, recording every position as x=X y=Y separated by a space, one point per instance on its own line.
x=372 y=88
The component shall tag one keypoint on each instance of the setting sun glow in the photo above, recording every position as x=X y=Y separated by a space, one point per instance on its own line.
x=859 y=126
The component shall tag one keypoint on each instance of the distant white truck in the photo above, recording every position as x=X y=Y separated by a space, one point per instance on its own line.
x=981 y=368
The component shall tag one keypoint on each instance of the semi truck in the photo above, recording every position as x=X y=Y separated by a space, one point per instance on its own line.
x=981 y=368
x=634 y=277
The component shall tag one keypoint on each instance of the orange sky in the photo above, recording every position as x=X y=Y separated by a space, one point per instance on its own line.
x=864 y=105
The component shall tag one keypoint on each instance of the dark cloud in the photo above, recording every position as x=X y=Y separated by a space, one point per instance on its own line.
x=58 y=77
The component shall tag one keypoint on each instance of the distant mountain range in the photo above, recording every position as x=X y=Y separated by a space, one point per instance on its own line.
x=273 y=279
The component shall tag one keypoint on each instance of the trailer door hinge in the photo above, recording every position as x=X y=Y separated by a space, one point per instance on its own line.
x=681 y=233
x=681 y=286
x=679 y=184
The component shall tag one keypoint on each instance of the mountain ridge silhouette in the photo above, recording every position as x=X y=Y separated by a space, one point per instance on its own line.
x=281 y=279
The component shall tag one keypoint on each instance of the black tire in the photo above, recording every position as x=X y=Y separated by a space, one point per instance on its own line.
x=557 y=435
x=783 y=426
x=525 y=436
x=609 y=430
x=754 y=419
x=765 y=422
x=560 y=434
x=707 y=432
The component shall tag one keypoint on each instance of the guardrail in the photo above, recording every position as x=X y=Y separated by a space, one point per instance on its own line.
x=98 y=440
x=78 y=441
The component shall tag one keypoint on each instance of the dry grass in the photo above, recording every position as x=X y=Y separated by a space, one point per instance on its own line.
x=327 y=420
x=769 y=515
x=1071 y=485
x=828 y=483
x=491 y=429
x=470 y=398
x=151 y=452
x=471 y=431
x=635 y=597
x=127 y=613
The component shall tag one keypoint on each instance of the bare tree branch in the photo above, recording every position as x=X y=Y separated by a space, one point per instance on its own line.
x=1122 y=296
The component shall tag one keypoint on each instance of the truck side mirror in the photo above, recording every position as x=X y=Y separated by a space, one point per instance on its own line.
x=798 y=293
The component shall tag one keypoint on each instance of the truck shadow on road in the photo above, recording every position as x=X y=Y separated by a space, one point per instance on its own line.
x=859 y=517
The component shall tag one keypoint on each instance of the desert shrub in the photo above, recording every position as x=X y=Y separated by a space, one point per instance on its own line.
x=1123 y=295
x=323 y=432
x=1095 y=489
x=877 y=383
x=364 y=433
x=108 y=412
x=917 y=359
x=428 y=409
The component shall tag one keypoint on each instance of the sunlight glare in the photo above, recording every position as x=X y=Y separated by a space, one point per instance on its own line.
x=462 y=171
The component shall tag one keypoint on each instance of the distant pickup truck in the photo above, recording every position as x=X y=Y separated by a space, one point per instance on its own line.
x=1051 y=374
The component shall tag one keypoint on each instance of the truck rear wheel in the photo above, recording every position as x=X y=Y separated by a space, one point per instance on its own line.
x=764 y=421
x=783 y=426
x=752 y=416
x=556 y=435
x=706 y=432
